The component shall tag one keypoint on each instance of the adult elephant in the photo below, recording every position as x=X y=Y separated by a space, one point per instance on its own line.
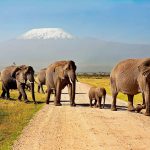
x=131 y=77
x=15 y=77
x=58 y=75
x=41 y=79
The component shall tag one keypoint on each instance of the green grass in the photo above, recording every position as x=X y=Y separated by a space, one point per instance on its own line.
x=15 y=115
x=105 y=82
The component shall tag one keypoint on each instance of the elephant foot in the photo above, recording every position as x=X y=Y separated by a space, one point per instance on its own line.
x=144 y=106
x=26 y=101
x=131 y=108
x=58 y=104
x=47 y=101
x=138 y=108
x=35 y=102
x=73 y=105
x=113 y=109
x=3 y=97
x=8 y=98
x=147 y=113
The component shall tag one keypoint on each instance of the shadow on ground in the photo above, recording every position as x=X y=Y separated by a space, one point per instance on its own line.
x=76 y=93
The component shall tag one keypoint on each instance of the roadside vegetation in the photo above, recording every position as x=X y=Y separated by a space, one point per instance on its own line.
x=104 y=81
x=15 y=115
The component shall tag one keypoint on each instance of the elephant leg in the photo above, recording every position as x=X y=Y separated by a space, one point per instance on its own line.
x=3 y=93
x=95 y=103
x=20 y=96
x=147 y=102
x=99 y=102
x=42 y=89
x=58 y=95
x=143 y=96
x=48 y=95
x=130 y=103
x=38 y=88
x=22 y=91
x=90 y=102
x=57 y=98
x=113 y=105
x=7 y=94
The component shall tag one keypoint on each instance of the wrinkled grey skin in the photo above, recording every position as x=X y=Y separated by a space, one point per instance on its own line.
x=131 y=77
x=97 y=94
x=15 y=77
x=41 y=79
x=58 y=75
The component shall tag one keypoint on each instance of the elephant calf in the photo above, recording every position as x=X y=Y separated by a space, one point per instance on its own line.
x=97 y=94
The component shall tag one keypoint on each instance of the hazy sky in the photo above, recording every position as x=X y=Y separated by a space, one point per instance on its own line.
x=112 y=20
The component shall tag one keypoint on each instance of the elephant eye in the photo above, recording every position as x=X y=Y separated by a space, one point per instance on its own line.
x=67 y=69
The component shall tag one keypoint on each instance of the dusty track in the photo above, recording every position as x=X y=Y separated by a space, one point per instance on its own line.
x=85 y=128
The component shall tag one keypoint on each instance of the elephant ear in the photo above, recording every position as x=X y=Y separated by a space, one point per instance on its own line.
x=59 y=71
x=28 y=69
x=70 y=65
x=144 y=69
x=14 y=72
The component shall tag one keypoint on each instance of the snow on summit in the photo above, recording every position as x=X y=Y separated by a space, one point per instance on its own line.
x=46 y=33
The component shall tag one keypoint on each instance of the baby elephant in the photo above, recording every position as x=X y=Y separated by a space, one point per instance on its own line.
x=97 y=94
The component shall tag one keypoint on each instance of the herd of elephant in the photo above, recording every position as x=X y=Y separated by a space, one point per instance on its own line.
x=130 y=76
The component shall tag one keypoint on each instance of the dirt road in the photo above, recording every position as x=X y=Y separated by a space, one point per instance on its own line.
x=85 y=128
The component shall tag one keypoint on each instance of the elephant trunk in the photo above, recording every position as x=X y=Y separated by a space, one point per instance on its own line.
x=104 y=97
x=73 y=92
x=31 y=79
x=72 y=79
x=32 y=92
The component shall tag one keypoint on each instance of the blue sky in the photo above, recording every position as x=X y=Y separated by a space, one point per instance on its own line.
x=112 y=20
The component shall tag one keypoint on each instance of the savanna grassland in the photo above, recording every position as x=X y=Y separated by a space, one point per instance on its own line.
x=15 y=115
x=104 y=81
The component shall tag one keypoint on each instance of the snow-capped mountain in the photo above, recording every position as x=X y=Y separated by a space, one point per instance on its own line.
x=46 y=33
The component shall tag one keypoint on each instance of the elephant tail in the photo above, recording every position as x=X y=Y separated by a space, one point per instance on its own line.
x=104 y=97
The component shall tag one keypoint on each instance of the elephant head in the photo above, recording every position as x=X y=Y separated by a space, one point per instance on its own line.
x=24 y=73
x=67 y=71
x=144 y=83
x=144 y=69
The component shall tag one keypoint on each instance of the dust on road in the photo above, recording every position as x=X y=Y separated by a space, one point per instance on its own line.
x=85 y=128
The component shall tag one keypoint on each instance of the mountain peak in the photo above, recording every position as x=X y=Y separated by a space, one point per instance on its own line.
x=46 y=33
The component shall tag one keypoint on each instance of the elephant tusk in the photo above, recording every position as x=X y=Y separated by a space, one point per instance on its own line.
x=31 y=82
x=70 y=80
